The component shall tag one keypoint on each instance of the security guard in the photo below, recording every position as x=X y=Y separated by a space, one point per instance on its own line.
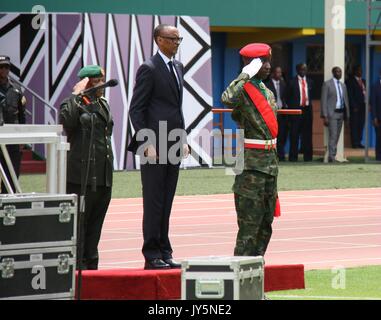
x=80 y=113
x=12 y=111
x=255 y=189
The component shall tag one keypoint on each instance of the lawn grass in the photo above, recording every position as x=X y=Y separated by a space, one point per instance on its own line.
x=351 y=283
x=292 y=176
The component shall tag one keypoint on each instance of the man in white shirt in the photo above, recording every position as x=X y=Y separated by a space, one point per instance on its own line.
x=157 y=99
x=334 y=109
x=299 y=94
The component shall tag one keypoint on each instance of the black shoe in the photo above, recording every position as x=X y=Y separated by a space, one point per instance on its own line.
x=360 y=146
x=156 y=264
x=174 y=264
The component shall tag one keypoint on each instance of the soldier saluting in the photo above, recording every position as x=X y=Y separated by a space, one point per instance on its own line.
x=255 y=189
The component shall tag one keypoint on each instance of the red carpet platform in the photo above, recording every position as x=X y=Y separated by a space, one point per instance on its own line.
x=138 y=284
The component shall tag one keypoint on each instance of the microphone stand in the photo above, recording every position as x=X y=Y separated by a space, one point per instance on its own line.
x=85 y=168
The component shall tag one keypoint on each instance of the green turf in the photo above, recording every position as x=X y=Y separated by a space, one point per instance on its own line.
x=292 y=176
x=353 y=283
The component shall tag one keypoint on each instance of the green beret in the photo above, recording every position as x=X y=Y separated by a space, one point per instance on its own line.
x=91 y=71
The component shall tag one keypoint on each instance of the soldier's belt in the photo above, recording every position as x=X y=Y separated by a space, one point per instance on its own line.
x=260 y=144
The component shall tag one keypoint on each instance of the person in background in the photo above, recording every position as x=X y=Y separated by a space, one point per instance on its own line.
x=356 y=94
x=334 y=109
x=376 y=114
x=299 y=96
x=278 y=86
x=12 y=111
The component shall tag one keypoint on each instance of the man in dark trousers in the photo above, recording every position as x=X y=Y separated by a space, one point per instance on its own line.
x=299 y=96
x=155 y=111
x=376 y=115
x=277 y=85
x=356 y=93
x=77 y=113
x=334 y=109
x=255 y=188
x=12 y=111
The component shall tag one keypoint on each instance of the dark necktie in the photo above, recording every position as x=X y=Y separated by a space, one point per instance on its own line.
x=170 y=64
x=340 y=95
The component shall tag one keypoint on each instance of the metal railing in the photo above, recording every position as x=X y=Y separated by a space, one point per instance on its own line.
x=38 y=97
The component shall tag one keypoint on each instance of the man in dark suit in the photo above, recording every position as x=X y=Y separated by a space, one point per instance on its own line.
x=376 y=115
x=155 y=111
x=299 y=96
x=356 y=93
x=75 y=115
x=277 y=85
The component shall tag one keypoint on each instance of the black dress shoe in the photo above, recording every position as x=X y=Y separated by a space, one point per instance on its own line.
x=156 y=264
x=360 y=146
x=173 y=264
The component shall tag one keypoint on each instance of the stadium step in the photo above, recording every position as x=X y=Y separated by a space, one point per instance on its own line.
x=30 y=165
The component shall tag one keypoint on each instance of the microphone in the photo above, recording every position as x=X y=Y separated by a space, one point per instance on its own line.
x=110 y=83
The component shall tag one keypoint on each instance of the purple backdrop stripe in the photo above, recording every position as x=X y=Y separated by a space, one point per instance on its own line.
x=122 y=27
x=168 y=20
x=116 y=102
x=66 y=24
x=201 y=76
x=98 y=24
x=145 y=27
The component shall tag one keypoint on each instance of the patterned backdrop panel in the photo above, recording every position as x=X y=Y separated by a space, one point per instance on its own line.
x=47 y=56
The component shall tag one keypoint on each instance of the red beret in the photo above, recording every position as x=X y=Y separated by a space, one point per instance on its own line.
x=255 y=50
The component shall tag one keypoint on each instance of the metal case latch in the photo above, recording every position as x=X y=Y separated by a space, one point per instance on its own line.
x=65 y=212
x=210 y=288
x=9 y=215
x=63 y=264
x=7 y=268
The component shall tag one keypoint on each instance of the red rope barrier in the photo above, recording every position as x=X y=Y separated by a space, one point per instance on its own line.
x=281 y=111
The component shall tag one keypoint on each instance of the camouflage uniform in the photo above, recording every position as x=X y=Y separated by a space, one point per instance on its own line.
x=255 y=189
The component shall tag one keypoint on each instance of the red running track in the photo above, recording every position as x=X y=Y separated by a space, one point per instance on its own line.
x=319 y=228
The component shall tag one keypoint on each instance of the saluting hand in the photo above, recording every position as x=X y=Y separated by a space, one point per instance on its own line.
x=253 y=67
x=80 y=86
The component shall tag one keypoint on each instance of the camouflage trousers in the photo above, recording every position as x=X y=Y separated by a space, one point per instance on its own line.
x=255 y=196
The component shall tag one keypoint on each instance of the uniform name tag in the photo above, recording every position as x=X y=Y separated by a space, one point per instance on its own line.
x=38 y=205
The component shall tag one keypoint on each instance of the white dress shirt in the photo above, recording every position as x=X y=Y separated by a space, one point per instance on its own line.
x=279 y=102
x=166 y=60
x=339 y=103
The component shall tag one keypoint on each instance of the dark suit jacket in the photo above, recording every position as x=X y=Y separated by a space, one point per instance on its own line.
x=376 y=100
x=293 y=93
x=355 y=94
x=156 y=98
x=282 y=88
